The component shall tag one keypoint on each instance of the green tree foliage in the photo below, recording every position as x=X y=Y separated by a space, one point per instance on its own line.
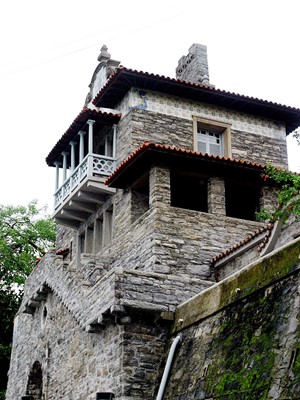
x=288 y=197
x=26 y=233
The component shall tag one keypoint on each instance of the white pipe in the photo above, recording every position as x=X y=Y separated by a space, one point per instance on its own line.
x=167 y=368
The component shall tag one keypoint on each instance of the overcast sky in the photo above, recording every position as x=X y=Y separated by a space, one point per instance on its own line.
x=49 y=51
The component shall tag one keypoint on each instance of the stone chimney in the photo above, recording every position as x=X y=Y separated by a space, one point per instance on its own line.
x=194 y=67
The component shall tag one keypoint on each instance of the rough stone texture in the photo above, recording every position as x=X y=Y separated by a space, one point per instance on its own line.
x=255 y=143
x=70 y=354
x=216 y=196
x=262 y=150
x=250 y=349
x=235 y=264
x=97 y=318
x=268 y=199
x=194 y=67
x=289 y=231
x=169 y=120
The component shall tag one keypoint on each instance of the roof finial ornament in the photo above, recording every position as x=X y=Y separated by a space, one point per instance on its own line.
x=104 y=54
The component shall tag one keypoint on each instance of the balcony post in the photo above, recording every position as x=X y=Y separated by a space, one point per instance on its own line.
x=65 y=155
x=81 y=146
x=91 y=133
x=57 y=165
x=73 y=144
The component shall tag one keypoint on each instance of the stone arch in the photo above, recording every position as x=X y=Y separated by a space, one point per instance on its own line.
x=35 y=382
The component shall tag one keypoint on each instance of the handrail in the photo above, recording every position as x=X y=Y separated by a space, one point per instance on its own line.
x=91 y=164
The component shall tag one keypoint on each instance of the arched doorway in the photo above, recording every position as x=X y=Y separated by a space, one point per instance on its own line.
x=35 y=382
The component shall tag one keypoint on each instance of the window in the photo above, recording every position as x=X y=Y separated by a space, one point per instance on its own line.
x=104 y=142
x=140 y=197
x=188 y=191
x=212 y=137
x=242 y=200
x=98 y=234
x=209 y=142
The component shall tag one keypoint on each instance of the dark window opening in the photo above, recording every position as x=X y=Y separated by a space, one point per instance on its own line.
x=82 y=243
x=189 y=191
x=242 y=201
x=103 y=141
x=35 y=382
x=105 y=396
x=71 y=251
x=140 y=197
x=98 y=240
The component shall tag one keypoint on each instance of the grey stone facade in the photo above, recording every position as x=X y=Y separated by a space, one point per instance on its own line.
x=245 y=343
x=98 y=309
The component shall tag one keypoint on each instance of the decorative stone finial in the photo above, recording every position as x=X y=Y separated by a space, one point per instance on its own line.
x=104 y=54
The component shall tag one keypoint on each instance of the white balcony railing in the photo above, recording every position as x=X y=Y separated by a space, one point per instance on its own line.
x=92 y=165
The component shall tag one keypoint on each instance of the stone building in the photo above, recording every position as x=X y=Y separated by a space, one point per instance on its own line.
x=158 y=182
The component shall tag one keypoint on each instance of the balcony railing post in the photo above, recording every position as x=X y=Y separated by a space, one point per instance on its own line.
x=73 y=144
x=91 y=134
x=57 y=165
x=90 y=165
x=65 y=155
x=81 y=146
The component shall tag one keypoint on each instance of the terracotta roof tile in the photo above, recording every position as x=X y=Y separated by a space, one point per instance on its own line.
x=62 y=252
x=180 y=151
x=267 y=229
x=124 y=78
x=79 y=123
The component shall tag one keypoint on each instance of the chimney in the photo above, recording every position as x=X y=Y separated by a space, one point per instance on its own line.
x=194 y=67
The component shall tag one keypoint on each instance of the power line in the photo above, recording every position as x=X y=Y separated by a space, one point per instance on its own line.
x=69 y=53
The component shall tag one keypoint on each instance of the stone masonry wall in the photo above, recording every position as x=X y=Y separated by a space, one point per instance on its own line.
x=169 y=120
x=248 y=349
x=78 y=361
x=75 y=364
x=178 y=132
x=168 y=239
x=171 y=240
x=259 y=148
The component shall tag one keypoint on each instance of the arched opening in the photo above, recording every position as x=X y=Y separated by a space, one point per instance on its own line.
x=35 y=382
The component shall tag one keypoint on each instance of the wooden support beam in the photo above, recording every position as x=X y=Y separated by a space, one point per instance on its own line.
x=98 y=198
x=67 y=222
x=83 y=205
x=74 y=215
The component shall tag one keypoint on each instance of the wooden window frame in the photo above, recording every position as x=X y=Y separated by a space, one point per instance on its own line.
x=215 y=127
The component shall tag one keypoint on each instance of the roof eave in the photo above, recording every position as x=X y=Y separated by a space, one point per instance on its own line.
x=120 y=83
x=148 y=154
x=79 y=123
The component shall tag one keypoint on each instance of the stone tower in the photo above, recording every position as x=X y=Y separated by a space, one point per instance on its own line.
x=155 y=178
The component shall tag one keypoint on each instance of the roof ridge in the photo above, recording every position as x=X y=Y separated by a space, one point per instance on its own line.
x=268 y=228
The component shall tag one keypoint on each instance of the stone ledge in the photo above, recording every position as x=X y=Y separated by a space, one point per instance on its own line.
x=269 y=269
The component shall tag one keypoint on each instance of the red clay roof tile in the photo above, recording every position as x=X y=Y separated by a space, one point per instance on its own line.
x=179 y=151
x=78 y=124
x=124 y=78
